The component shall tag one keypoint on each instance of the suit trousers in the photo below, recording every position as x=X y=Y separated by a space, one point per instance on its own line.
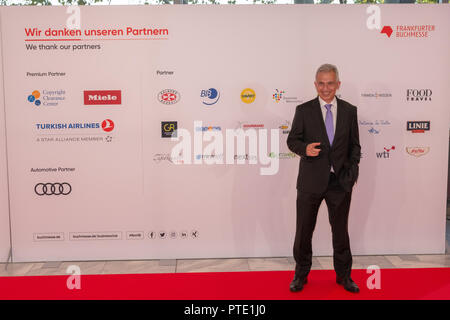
x=338 y=203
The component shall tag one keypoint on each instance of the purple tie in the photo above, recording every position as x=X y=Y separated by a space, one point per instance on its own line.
x=329 y=123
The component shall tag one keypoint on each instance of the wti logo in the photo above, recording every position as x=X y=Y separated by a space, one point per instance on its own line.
x=102 y=97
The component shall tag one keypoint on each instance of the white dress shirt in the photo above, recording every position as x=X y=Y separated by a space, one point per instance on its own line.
x=333 y=111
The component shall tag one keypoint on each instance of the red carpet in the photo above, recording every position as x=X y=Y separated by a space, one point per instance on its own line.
x=399 y=284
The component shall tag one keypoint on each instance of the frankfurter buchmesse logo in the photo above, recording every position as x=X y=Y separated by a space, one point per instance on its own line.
x=34 y=98
x=248 y=95
x=168 y=129
x=409 y=31
x=210 y=96
x=169 y=96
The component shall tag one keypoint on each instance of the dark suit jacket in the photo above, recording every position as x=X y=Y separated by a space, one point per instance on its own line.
x=308 y=126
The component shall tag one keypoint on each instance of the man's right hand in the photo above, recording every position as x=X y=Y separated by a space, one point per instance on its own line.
x=311 y=150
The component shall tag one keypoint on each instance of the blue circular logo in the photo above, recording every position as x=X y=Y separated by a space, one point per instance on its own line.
x=210 y=96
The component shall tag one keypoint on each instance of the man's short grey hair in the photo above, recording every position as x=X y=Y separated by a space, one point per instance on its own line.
x=328 y=68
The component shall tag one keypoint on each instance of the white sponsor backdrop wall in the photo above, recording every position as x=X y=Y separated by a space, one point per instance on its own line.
x=4 y=205
x=95 y=179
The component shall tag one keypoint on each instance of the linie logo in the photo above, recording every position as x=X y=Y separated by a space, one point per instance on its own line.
x=417 y=151
x=102 y=97
x=418 y=126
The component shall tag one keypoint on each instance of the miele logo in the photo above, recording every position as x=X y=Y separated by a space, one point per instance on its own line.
x=102 y=97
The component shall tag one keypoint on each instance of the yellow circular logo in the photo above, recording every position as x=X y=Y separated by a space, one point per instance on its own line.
x=248 y=95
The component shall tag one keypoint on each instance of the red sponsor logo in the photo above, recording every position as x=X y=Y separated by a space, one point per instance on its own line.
x=168 y=96
x=409 y=31
x=108 y=125
x=102 y=97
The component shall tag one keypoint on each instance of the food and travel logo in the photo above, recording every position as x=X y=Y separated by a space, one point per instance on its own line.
x=47 y=98
x=210 y=96
x=168 y=129
x=102 y=97
x=248 y=95
x=278 y=95
x=107 y=125
x=50 y=189
x=386 y=153
x=417 y=151
x=418 y=126
x=418 y=94
x=168 y=96
x=408 y=31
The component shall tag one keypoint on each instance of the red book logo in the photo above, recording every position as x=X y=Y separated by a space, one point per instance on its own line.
x=387 y=30
x=102 y=97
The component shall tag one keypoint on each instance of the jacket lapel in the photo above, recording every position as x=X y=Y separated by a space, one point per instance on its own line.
x=339 y=119
x=321 y=122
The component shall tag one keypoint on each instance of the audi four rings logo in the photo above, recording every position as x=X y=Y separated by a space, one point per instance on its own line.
x=56 y=189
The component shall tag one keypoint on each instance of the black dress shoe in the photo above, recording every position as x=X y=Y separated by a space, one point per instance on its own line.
x=348 y=284
x=297 y=284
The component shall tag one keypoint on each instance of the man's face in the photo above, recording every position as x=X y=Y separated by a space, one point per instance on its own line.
x=326 y=85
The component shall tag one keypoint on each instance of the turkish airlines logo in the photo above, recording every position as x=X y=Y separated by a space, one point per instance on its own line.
x=102 y=97
x=108 y=125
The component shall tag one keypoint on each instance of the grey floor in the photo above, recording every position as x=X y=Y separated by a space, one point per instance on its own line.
x=223 y=265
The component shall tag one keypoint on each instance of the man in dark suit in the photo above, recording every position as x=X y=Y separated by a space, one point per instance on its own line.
x=325 y=135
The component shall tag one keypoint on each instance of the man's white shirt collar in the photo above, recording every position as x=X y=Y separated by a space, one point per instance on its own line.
x=323 y=103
